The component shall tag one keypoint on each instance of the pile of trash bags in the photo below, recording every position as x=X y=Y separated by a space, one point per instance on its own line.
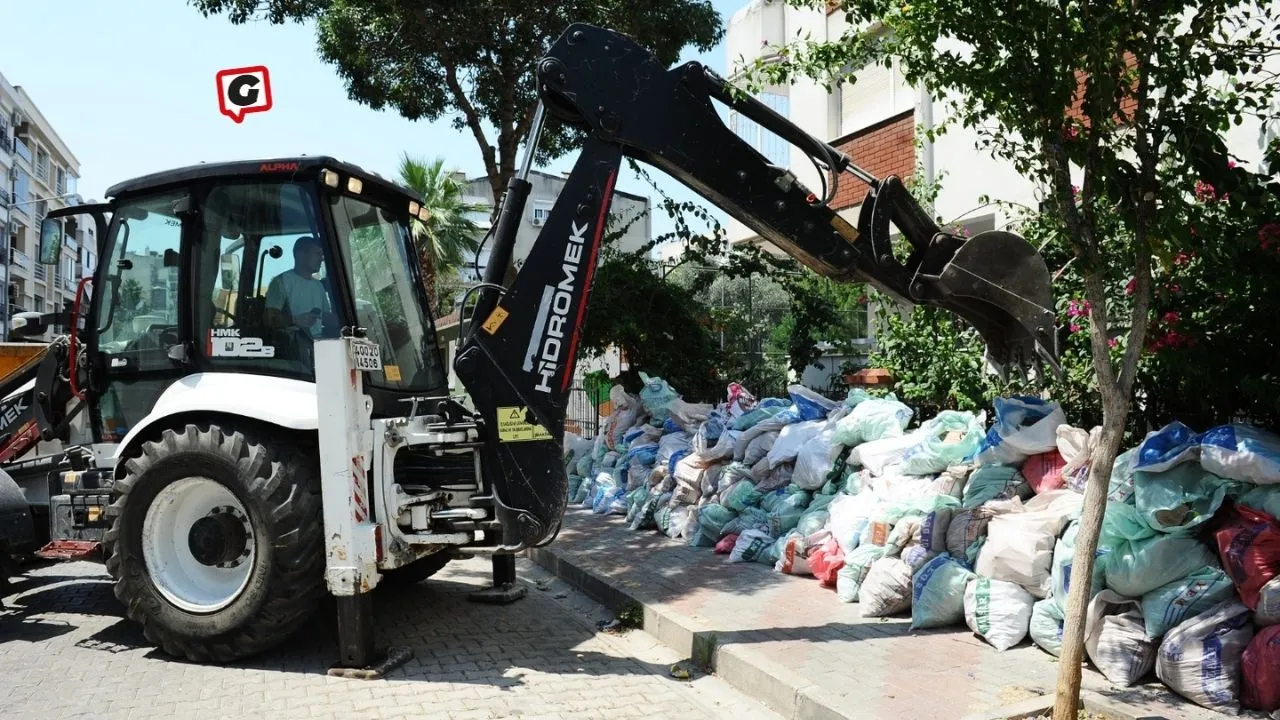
x=961 y=524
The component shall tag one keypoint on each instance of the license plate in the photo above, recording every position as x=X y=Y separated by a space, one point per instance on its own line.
x=367 y=356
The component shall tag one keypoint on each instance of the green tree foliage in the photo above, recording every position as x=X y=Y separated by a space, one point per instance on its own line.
x=473 y=62
x=448 y=238
x=1161 y=84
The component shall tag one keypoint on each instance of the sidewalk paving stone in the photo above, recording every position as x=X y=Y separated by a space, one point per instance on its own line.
x=793 y=645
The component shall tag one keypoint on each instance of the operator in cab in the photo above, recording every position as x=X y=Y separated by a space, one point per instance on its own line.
x=296 y=297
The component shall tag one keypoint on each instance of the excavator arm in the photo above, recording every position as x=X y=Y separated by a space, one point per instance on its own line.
x=519 y=356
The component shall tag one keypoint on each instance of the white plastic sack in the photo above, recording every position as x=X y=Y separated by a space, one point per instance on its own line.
x=1115 y=638
x=1075 y=446
x=879 y=454
x=815 y=460
x=1024 y=426
x=850 y=514
x=1200 y=659
x=849 y=578
x=1020 y=553
x=997 y=611
x=886 y=589
x=790 y=439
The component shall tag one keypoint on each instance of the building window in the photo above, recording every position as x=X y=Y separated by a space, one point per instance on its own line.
x=777 y=150
x=61 y=186
x=42 y=164
x=541 y=211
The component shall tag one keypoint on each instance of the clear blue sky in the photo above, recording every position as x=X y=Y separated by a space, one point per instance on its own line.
x=129 y=86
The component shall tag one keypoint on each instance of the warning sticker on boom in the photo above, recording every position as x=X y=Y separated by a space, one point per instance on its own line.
x=512 y=426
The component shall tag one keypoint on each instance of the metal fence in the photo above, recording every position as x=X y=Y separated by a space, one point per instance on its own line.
x=581 y=415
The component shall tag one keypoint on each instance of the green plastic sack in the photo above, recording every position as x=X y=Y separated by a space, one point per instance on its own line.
x=1167 y=606
x=752 y=518
x=1136 y=567
x=856 y=565
x=786 y=514
x=937 y=593
x=820 y=502
x=740 y=496
x=1064 y=553
x=1046 y=626
x=812 y=521
x=1181 y=497
x=932 y=455
x=657 y=396
x=1264 y=498
x=995 y=482
x=1120 y=488
x=872 y=419
x=711 y=520
x=635 y=502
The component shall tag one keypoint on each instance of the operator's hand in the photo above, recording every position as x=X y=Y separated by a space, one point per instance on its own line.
x=306 y=319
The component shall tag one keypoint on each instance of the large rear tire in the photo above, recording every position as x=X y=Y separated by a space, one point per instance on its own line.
x=216 y=545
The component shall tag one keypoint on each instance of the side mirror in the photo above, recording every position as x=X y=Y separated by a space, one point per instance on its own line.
x=50 y=241
x=229 y=275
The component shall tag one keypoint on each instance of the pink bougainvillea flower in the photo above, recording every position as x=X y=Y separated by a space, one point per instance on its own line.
x=1171 y=317
x=1204 y=191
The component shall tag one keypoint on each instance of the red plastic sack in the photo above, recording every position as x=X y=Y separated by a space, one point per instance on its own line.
x=826 y=561
x=1043 y=472
x=1249 y=546
x=1260 y=671
x=725 y=546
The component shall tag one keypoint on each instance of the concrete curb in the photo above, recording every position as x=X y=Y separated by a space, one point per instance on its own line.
x=750 y=672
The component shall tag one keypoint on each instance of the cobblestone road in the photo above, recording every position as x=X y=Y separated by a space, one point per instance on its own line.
x=66 y=651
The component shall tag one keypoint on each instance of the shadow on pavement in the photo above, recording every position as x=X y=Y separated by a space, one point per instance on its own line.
x=453 y=639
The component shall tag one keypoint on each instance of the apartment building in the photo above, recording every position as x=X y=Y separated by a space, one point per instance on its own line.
x=546 y=188
x=38 y=173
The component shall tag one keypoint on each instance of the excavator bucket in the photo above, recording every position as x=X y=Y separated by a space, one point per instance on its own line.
x=999 y=284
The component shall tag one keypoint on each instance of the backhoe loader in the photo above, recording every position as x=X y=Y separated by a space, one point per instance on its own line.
x=252 y=407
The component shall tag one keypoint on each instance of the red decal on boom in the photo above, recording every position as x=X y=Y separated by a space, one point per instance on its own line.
x=591 y=270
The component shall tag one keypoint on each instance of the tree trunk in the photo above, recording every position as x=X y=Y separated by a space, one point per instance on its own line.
x=1065 y=706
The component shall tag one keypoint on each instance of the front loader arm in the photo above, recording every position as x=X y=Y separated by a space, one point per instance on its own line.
x=520 y=354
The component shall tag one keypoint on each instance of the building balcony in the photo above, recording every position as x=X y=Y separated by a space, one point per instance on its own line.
x=19 y=259
x=40 y=272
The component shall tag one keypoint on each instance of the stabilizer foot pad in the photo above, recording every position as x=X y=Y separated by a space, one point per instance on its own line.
x=396 y=656
x=504 y=594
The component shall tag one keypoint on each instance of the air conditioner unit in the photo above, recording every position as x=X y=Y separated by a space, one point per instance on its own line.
x=13 y=173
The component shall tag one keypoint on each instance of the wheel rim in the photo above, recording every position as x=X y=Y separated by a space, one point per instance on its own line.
x=198 y=545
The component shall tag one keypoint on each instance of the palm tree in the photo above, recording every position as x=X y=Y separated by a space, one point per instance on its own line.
x=448 y=238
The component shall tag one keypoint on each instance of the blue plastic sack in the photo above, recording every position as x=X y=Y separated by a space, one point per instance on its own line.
x=1024 y=426
x=937 y=593
x=1235 y=451
x=808 y=404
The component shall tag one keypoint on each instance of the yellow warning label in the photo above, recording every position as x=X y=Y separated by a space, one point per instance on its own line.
x=512 y=426
x=392 y=372
x=495 y=320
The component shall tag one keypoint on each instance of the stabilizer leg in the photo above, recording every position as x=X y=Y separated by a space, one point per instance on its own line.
x=506 y=589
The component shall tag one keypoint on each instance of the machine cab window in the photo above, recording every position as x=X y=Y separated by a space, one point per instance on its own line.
x=264 y=279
